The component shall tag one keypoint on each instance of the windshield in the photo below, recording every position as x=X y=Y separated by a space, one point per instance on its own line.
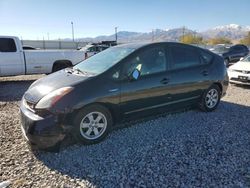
x=85 y=48
x=103 y=60
x=220 y=49
x=246 y=59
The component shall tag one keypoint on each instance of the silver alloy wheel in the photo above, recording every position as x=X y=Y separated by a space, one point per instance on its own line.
x=93 y=125
x=212 y=98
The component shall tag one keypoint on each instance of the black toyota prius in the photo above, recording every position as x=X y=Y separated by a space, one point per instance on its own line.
x=121 y=83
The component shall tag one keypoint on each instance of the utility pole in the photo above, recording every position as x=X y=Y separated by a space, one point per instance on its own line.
x=183 y=33
x=195 y=41
x=116 y=34
x=153 y=35
x=21 y=40
x=43 y=43
x=48 y=35
x=72 y=27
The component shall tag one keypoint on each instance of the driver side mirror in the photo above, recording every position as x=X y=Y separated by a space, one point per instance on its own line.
x=134 y=75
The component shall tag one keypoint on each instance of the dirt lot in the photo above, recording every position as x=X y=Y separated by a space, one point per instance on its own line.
x=190 y=149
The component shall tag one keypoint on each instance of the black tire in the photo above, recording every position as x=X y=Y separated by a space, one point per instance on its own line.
x=82 y=116
x=204 y=104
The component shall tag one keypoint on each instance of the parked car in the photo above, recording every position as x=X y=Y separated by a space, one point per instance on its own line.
x=239 y=73
x=92 y=49
x=123 y=82
x=220 y=49
x=14 y=60
x=235 y=53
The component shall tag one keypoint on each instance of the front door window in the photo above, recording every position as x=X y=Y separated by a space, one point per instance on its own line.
x=148 y=62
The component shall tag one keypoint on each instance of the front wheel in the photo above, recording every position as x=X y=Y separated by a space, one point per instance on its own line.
x=92 y=124
x=210 y=99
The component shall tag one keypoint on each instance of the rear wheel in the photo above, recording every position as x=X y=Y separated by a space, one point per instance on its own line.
x=92 y=124
x=210 y=99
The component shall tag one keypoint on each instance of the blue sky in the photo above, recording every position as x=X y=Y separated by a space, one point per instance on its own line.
x=33 y=19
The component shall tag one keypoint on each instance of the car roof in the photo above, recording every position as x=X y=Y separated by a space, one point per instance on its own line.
x=239 y=45
x=142 y=44
x=138 y=45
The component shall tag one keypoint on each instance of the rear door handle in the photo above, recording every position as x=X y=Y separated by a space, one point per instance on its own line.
x=164 y=81
x=113 y=90
x=205 y=72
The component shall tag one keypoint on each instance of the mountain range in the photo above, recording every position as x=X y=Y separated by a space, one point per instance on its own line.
x=231 y=31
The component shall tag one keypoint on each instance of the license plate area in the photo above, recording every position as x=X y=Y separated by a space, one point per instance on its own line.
x=243 y=78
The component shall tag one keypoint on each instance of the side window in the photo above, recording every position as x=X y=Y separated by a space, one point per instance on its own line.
x=239 y=48
x=206 y=57
x=148 y=62
x=184 y=57
x=91 y=49
x=7 y=45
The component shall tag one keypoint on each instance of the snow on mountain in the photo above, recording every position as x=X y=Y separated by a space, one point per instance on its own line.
x=226 y=27
x=231 y=31
x=232 y=27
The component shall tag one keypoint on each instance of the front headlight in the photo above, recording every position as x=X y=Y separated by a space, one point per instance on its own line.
x=50 y=99
x=230 y=70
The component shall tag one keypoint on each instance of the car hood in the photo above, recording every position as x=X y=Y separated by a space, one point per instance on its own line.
x=241 y=65
x=52 y=82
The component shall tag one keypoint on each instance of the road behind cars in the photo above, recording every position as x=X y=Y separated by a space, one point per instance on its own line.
x=184 y=149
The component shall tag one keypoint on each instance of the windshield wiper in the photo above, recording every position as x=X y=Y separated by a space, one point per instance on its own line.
x=80 y=71
x=69 y=70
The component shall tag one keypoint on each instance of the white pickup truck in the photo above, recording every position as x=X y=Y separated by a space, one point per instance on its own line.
x=16 y=61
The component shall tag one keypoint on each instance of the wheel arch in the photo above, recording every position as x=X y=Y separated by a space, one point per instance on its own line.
x=113 y=112
x=219 y=85
x=66 y=62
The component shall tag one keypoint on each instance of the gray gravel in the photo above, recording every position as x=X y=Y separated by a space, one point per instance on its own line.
x=189 y=149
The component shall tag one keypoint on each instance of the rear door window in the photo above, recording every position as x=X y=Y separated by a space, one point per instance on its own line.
x=7 y=45
x=184 y=57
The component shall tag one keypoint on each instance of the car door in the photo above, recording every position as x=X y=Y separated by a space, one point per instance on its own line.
x=11 y=59
x=188 y=75
x=149 y=90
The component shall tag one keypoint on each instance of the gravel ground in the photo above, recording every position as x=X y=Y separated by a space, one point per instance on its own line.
x=189 y=149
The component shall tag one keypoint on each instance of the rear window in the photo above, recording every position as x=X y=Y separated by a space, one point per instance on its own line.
x=184 y=57
x=7 y=45
x=238 y=48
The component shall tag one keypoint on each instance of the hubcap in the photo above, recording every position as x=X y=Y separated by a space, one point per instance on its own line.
x=212 y=98
x=93 y=125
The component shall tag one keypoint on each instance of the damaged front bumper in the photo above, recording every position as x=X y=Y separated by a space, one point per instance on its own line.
x=44 y=132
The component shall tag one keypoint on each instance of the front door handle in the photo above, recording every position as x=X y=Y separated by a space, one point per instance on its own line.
x=205 y=72
x=164 y=81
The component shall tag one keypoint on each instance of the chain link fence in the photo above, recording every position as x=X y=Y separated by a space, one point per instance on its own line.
x=53 y=44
